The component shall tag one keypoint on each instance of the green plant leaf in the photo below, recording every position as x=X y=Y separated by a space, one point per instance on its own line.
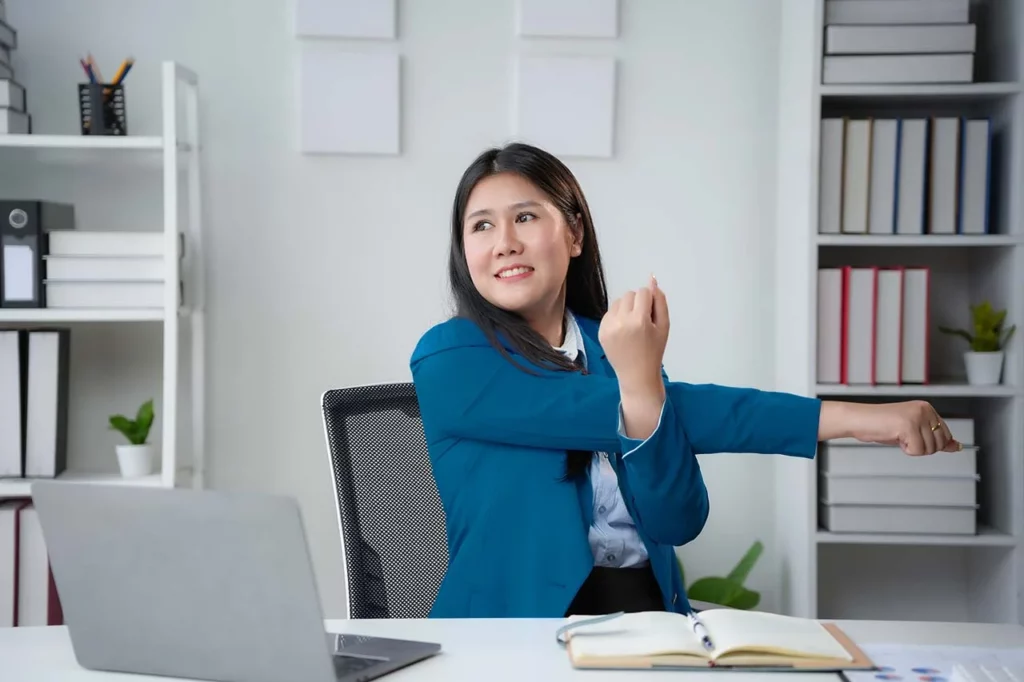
x=742 y=569
x=724 y=592
x=144 y=420
x=747 y=599
x=957 y=332
x=987 y=324
x=122 y=424
x=715 y=590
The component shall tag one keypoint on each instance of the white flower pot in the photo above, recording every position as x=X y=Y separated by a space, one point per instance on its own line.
x=136 y=460
x=984 y=369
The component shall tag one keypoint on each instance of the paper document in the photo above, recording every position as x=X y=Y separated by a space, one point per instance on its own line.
x=911 y=663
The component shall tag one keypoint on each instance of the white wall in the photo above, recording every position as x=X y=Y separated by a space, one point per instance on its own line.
x=689 y=196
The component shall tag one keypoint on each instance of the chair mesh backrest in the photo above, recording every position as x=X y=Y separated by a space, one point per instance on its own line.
x=391 y=518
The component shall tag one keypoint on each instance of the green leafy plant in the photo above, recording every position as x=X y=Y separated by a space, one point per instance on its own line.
x=728 y=591
x=987 y=323
x=135 y=430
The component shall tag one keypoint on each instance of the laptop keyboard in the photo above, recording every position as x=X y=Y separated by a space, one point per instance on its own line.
x=347 y=665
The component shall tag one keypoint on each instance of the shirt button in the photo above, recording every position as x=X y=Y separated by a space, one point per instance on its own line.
x=601 y=509
x=611 y=557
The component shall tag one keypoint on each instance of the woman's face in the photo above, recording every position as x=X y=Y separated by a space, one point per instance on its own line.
x=517 y=243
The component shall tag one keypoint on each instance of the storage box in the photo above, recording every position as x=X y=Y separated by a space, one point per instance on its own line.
x=899 y=490
x=853 y=518
x=882 y=460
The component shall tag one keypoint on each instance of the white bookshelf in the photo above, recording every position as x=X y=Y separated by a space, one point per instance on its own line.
x=174 y=155
x=885 y=576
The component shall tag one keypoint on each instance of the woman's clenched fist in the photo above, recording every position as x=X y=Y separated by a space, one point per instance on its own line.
x=634 y=333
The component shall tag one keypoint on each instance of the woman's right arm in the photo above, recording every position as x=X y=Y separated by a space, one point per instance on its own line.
x=471 y=391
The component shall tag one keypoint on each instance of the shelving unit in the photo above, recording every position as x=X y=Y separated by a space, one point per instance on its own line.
x=888 y=575
x=175 y=155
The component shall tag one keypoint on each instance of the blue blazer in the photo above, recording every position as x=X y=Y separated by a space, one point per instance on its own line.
x=497 y=437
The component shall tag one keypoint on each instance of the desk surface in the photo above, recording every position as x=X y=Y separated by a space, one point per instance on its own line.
x=491 y=650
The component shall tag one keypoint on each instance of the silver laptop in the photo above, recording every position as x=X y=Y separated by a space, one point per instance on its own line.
x=198 y=584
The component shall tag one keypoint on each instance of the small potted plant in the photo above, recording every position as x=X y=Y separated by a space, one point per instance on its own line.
x=984 y=360
x=137 y=457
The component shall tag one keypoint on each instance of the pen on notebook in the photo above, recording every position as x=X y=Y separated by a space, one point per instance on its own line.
x=700 y=631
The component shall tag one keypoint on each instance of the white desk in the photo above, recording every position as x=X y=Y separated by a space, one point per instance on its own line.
x=488 y=651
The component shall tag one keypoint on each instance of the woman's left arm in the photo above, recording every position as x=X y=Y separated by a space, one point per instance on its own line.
x=729 y=419
x=747 y=420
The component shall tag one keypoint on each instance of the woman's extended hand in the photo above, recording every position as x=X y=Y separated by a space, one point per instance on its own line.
x=634 y=333
x=914 y=425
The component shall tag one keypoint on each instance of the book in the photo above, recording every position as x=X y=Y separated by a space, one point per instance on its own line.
x=738 y=639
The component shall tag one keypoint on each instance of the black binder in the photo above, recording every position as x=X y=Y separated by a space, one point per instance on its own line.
x=24 y=232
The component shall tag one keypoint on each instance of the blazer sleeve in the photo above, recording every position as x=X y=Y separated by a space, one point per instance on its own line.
x=472 y=392
x=668 y=498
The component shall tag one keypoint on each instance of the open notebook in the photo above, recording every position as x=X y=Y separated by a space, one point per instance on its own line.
x=745 y=639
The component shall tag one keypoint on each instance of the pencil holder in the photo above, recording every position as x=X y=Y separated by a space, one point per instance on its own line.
x=101 y=109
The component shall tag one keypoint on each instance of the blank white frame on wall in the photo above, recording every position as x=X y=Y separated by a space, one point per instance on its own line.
x=567 y=18
x=566 y=105
x=346 y=18
x=350 y=102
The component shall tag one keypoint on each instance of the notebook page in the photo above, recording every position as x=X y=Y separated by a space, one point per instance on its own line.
x=636 y=634
x=735 y=630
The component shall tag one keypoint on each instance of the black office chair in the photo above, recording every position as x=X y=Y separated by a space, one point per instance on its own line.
x=390 y=515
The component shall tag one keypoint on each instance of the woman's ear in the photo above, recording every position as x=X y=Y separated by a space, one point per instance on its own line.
x=576 y=229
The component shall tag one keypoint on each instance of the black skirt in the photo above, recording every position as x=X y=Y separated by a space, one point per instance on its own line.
x=610 y=590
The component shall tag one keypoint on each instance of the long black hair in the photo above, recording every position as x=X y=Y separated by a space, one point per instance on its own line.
x=585 y=290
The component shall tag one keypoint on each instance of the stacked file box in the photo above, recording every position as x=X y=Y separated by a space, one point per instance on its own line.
x=898 y=41
x=14 y=117
x=105 y=270
x=879 y=489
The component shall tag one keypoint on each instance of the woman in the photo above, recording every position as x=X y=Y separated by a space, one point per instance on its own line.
x=564 y=456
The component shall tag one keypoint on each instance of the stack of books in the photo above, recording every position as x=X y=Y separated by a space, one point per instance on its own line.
x=93 y=269
x=879 y=489
x=898 y=41
x=873 y=325
x=14 y=117
x=905 y=175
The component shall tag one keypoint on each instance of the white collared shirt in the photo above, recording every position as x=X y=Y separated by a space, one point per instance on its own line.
x=613 y=536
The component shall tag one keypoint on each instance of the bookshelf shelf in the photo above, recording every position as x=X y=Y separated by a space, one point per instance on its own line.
x=139 y=142
x=61 y=315
x=915 y=391
x=925 y=240
x=21 y=487
x=954 y=91
x=985 y=537
x=172 y=160
x=881 y=575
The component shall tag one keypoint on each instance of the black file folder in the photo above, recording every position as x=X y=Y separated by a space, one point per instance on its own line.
x=24 y=231
x=13 y=399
